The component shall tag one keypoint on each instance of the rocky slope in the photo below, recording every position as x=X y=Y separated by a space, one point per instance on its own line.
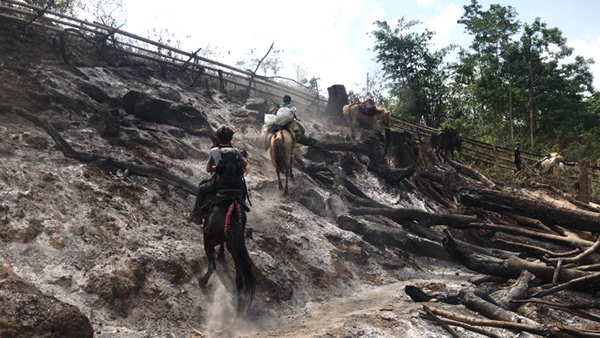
x=93 y=228
x=116 y=246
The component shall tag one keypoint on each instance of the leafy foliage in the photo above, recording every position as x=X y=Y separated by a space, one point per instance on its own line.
x=417 y=75
x=515 y=82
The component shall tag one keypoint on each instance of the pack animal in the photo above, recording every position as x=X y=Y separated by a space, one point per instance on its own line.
x=359 y=114
x=282 y=146
x=226 y=224
x=552 y=163
x=445 y=141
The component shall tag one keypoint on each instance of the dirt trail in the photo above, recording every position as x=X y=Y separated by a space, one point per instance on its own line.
x=384 y=311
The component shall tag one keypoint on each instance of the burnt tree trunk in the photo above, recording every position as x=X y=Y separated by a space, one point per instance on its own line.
x=513 y=266
x=402 y=151
x=545 y=212
x=337 y=99
x=380 y=235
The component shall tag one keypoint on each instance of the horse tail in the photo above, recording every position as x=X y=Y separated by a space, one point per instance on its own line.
x=279 y=149
x=241 y=256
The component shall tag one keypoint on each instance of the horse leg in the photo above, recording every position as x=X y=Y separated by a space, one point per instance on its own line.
x=210 y=255
x=221 y=254
x=285 y=190
x=291 y=167
x=352 y=132
x=279 y=179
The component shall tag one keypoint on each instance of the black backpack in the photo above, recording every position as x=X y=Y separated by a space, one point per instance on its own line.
x=230 y=167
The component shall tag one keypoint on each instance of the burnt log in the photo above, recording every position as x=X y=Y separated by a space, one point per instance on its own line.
x=423 y=217
x=544 y=211
x=471 y=299
x=512 y=266
x=380 y=235
x=371 y=147
x=518 y=290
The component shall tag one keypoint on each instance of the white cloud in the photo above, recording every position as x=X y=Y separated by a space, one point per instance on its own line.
x=589 y=48
x=442 y=24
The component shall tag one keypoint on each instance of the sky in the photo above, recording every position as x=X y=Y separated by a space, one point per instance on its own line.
x=329 y=38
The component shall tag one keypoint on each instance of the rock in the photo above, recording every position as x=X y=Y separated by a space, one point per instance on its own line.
x=258 y=104
x=110 y=125
x=35 y=141
x=313 y=201
x=176 y=132
x=27 y=312
x=171 y=95
x=131 y=99
x=94 y=92
x=337 y=206
x=20 y=232
x=115 y=286
x=151 y=109
x=57 y=241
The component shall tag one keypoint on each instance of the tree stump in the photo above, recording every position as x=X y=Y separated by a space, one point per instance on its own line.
x=337 y=99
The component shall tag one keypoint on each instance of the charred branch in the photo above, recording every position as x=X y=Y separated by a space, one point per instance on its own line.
x=69 y=152
x=423 y=217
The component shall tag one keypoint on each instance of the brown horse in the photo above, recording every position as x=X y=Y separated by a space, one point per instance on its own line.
x=358 y=115
x=445 y=141
x=226 y=223
x=282 y=145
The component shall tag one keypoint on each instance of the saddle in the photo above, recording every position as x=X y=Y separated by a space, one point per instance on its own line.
x=220 y=197
x=368 y=110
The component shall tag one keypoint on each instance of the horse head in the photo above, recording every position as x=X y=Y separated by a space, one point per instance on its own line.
x=457 y=142
x=383 y=115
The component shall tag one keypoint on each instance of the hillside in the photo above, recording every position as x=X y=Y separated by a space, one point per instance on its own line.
x=99 y=166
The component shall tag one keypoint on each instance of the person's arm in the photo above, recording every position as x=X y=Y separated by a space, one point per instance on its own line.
x=245 y=166
x=210 y=165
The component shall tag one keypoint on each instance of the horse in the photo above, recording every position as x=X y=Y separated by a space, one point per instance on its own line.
x=552 y=163
x=446 y=140
x=359 y=114
x=225 y=224
x=282 y=145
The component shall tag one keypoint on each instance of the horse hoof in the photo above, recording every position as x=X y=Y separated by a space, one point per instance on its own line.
x=202 y=282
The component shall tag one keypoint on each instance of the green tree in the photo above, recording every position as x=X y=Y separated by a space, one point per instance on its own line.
x=492 y=56
x=417 y=74
x=555 y=88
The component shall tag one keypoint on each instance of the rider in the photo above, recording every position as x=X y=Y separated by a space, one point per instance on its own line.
x=220 y=181
x=517 y=158
x=287 y=102
x=305 y=140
